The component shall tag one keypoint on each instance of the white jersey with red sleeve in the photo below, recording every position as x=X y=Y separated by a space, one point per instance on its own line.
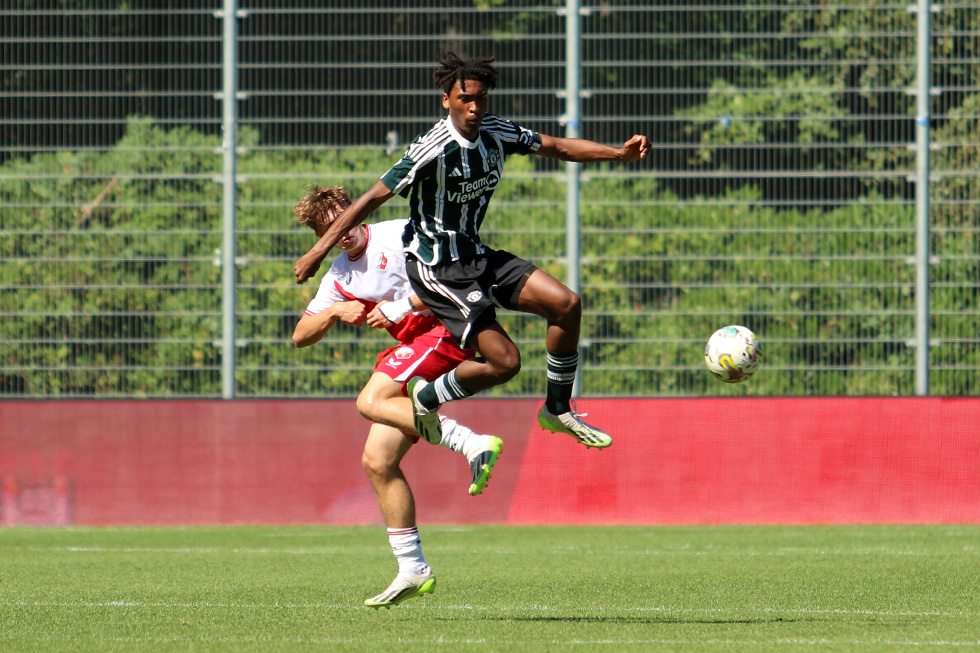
x=377 y=275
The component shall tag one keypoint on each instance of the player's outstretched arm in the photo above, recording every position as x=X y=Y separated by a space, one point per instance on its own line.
x=307 y=265
x=581 y=150
x=311 y=328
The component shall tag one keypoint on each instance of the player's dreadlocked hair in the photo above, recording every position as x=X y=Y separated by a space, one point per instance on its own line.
x=452 y=69
x=315 y=206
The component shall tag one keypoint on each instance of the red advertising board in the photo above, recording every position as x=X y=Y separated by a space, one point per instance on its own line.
x=674 y=461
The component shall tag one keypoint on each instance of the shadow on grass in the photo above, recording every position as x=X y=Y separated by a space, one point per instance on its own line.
x=660 y=619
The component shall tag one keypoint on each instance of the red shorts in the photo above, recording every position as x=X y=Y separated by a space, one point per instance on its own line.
x=429 y=355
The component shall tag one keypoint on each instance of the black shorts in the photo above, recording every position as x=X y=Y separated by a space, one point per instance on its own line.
x=464 y=294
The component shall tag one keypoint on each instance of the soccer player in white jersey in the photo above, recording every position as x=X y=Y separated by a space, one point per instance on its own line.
x=449 y=174
x=368 y=283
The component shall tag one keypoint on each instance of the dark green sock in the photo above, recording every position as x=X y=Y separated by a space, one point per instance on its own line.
x=561 y=378
x=446 y=388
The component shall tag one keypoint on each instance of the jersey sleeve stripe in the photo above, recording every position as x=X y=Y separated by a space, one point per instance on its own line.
x=428 y=278
x=512 y=133
x=420 y=154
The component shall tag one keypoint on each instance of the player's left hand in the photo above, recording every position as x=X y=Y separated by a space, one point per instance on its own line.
x=637 y=147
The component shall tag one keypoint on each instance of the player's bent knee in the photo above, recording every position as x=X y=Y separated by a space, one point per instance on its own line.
x=368 y=405
x=562 y=307
x=506 y=367
x=369 y=463
x=570 y=306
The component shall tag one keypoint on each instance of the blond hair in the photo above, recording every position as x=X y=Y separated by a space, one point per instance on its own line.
x=314 y=210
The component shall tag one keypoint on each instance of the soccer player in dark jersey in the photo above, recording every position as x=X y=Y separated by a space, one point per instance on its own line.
x=449 y=174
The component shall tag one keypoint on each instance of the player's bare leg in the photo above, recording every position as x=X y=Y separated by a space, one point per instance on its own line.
x=382 y=401
x=547 y=297
x=383 y=452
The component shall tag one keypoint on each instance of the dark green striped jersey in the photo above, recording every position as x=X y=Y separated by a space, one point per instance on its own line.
x=449 y=181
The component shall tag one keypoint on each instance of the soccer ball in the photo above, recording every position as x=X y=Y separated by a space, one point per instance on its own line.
x=733 y=354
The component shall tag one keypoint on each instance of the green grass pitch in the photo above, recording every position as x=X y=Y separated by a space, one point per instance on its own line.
x=614 y=588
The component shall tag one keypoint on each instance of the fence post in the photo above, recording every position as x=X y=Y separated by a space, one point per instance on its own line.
x=922 y=190
x=572 y=120
x=229 y=192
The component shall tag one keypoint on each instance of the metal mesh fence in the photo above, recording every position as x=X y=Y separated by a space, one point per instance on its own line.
x=110 y=212
x=780 y=193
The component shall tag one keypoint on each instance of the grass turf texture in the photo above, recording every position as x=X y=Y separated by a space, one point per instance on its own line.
x=839 y=588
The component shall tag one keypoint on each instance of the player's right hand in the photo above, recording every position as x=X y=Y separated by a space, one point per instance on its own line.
x=637 y=147
x=351 y=312
x=306 y=267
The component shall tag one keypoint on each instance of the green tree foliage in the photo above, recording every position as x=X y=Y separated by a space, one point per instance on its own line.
x=107 y=252
x=123 y=297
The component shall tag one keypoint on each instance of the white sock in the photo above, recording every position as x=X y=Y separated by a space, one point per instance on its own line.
x=407 y=547
x=461 y=439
